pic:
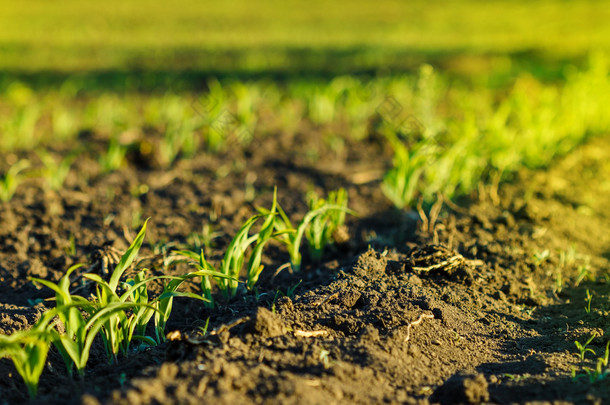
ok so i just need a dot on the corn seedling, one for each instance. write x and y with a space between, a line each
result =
160 307
205 270
291 290
234 258
227 276
75 343
541 257
118 330
11 180
322 228
292 237
588 299
80 330
583 349
264 235
55 172
203 239
164 303
400 184
28 350
600 372
584 272
114 158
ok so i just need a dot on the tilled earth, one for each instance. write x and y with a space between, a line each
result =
480 304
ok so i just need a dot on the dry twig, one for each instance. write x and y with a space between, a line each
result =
416 322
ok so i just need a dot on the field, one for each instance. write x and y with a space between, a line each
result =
258 202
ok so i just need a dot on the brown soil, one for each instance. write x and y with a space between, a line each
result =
482 304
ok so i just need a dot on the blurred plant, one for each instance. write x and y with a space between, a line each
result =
11 180
588 299
400 184
114 158
55 172
583 349
203 239
322 228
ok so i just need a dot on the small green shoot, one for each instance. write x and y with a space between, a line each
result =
118 330
322 228
291 290
55 172
264 235
11 180
292 237
600 372
583 349
588 299
203 239
400 183
114 158
204 328
28 350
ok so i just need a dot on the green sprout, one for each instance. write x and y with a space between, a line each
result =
583 349
28 350
75 343
329 214
400 184
601 368
118 330
322 228
205 270
11 180
114 158
55 172
227 275
588 299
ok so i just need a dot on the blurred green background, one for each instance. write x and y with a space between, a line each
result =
238 36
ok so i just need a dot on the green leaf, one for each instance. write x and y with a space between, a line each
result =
128 257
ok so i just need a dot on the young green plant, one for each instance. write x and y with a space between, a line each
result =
583 349
28 350
400 183
292 237
55 172
322 228
227 275
118 330
11 180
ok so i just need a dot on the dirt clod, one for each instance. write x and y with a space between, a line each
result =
462 389
267 324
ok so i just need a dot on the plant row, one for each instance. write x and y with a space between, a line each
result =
123 312
447 134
